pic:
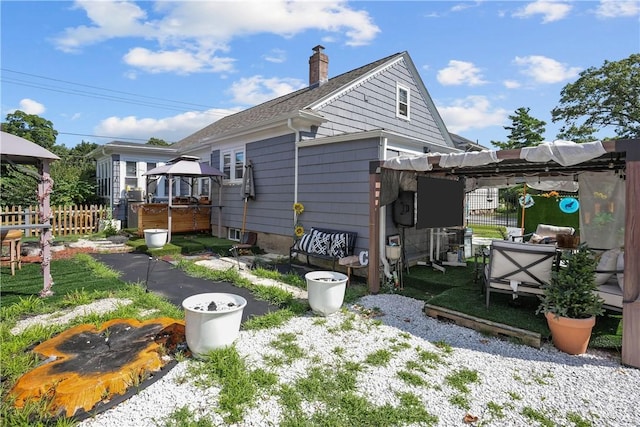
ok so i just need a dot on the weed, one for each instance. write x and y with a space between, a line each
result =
459 380
286 344
378 358
183 417
411 378
537 416
460 400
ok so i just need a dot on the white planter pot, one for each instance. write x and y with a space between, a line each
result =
155 237
325 290
208 328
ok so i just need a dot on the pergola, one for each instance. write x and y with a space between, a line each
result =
623 154
16 151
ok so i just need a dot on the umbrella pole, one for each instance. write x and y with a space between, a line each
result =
244 218
523 207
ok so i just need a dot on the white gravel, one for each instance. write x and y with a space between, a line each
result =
516 378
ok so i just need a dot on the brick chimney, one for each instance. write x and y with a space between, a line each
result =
318 67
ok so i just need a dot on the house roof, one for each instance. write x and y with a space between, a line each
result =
465 144
280 107
131 147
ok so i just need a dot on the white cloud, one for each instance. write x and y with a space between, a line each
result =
276 55
511 84
617 8
460 73
30 106
171 129
545 70
472 112
189 35
178 61
550 10
257 89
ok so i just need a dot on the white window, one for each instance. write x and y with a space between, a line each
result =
232 164
234 234
402 102
131 176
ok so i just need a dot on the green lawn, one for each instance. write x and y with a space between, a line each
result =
456 290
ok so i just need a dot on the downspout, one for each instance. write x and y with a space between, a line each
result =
295 167
383 223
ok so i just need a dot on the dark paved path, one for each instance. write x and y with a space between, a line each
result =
165 279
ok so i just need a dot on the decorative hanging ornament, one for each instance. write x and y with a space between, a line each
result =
569 205
526 201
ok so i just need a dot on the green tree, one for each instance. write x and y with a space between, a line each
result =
158 141
73 175
525 131
31 127
602 98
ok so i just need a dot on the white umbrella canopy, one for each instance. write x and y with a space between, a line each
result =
186 166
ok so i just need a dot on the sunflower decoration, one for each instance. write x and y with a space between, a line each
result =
298 208
298 230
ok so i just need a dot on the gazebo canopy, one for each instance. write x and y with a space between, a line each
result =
22 151
19 151
185 166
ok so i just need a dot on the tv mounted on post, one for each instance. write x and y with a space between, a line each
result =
440 203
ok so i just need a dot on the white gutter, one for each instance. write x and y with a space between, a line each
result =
295 167
383 222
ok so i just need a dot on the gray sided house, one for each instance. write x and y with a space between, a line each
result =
120 167
314 146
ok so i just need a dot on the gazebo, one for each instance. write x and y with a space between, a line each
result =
188 167
17 152
548 161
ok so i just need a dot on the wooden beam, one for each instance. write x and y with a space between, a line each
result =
631 293
374 227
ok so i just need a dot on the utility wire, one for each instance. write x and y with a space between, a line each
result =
96 95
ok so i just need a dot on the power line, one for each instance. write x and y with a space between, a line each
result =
106 97
115 138
105 89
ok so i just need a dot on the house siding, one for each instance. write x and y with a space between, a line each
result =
333 186
372 105
271 210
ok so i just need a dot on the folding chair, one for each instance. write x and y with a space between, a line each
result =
247 241
518 268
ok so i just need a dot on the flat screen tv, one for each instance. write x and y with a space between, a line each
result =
440 203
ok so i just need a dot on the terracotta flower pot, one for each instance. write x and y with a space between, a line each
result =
570 335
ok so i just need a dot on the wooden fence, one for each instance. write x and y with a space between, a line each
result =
65 220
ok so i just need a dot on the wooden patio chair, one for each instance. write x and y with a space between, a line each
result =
518 268
247 241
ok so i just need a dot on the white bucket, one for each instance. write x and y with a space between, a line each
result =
155 238
208 328
393 252
325 290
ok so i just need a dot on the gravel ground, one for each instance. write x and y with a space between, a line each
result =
516 385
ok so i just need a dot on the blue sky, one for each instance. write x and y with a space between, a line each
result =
125 70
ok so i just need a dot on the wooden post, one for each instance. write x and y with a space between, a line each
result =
631 294
45 186
374 227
